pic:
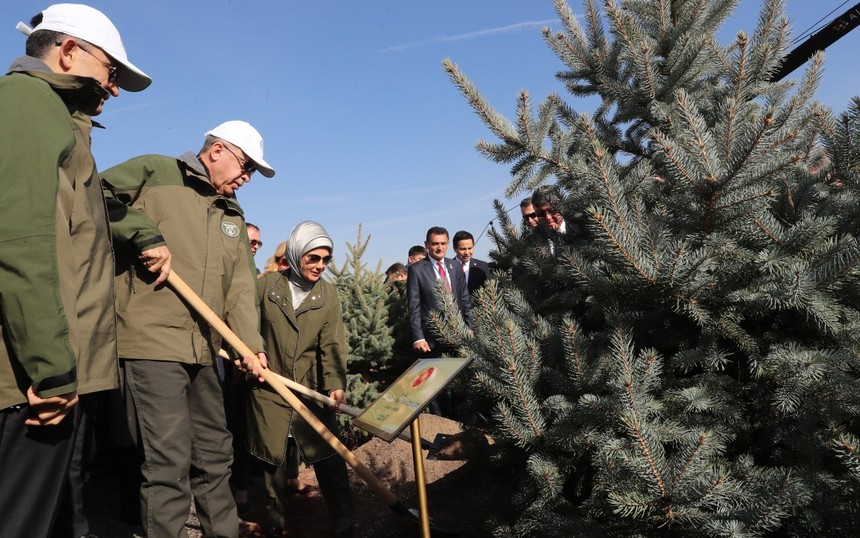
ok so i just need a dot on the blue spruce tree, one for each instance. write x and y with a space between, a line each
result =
363 297
687 366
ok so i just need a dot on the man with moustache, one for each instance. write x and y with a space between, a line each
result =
423 278
166 349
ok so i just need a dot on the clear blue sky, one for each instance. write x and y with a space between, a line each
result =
359 118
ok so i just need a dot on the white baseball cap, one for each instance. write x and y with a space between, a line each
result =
246 138
91 25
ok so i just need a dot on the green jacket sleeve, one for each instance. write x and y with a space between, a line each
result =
36 134
122 185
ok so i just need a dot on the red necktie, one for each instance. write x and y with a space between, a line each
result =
442 275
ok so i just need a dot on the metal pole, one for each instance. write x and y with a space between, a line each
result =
822 39
420 480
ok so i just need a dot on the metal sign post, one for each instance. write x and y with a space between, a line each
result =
420 480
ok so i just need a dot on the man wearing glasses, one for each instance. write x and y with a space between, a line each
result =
57 330
530 218
182 213
547 202
253 237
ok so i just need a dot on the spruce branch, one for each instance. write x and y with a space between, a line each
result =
636 45
632 421
700 136
599 217
747 149
743 199
515 429
495 121
770 516
672 152
840 263
596 33
769 38
770 234
846 448
573 341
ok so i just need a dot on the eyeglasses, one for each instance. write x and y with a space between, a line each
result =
314 259
255 243
530 216
112 69
247 166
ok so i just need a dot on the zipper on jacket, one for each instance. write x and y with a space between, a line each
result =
131 274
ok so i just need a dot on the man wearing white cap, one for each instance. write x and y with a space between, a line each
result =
57 324
182 213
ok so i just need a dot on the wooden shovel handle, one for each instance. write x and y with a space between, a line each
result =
325 400
310 393
271 378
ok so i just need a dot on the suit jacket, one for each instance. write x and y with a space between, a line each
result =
479 272
560 239
421 284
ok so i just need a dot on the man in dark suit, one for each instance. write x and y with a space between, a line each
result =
476 271
424 278
547 204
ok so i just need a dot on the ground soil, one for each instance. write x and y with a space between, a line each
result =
465 498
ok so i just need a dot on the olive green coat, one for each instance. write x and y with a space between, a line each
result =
171 201
57 322
307 345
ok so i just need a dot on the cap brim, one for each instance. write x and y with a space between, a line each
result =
129 77
264 168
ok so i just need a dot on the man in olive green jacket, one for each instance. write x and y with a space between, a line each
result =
57 325
167 350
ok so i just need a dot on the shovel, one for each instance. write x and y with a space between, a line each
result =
379 487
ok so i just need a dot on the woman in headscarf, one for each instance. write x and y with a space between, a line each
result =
302 326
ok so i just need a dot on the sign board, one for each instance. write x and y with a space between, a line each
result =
408 396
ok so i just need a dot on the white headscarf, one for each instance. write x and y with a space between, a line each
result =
306 236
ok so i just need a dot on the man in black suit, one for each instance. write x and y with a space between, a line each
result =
547 204
476 271
424 278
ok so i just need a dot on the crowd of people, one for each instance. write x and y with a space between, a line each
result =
92 330
416 286
86 310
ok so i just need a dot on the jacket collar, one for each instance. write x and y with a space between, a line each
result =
191 161
200 174
81 94
431 263
280 294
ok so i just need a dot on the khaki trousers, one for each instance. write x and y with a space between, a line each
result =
176 414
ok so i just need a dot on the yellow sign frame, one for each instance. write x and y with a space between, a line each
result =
410 393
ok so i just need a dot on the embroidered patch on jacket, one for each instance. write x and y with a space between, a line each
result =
229 229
